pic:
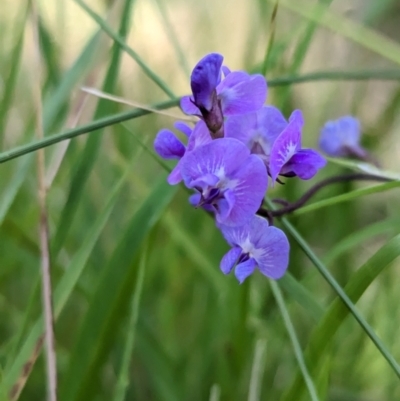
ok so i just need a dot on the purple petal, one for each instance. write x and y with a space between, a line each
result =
249 233
245 269
204 79
257 130
251 186
208 179
271 122
286 145
273 260
229 260
219 157
241 93
188 107
225 70
241 127
338 138
168 146
194 199
183 128
225 206
175 176
266 245
305 164
200 136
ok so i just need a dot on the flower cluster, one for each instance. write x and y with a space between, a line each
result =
235 148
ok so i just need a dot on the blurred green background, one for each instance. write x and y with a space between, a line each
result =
142 311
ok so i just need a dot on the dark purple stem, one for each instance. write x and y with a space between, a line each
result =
291 207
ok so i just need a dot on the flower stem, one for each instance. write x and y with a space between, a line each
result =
291 207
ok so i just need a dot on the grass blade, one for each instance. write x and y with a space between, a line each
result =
104 314
347 197
93 143
338 310
64 289
83 129
293 338
123 377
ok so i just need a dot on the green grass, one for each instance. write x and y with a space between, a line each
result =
142 311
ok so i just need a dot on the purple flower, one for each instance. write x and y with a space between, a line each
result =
341 138
229 180
255 244
287 158
168 146
214 97
257 130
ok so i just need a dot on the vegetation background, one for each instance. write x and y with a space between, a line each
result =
141 310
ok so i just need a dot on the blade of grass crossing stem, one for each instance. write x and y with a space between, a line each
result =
92 147
335 315
65 287
295 342
358 237
123 377
347 197
55 102
120 41
110 299
83 129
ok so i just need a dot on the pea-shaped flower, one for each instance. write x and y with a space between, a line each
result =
257 130
168 146
255 244
287 157
215 97
341 138
229 180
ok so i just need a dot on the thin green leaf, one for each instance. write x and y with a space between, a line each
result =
123 376
92 146
64 288
185 240
347 197
358 237
365 168
83 129
10 192
361 75
302 295
322 335
293 338
340 292
111 298
11 81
